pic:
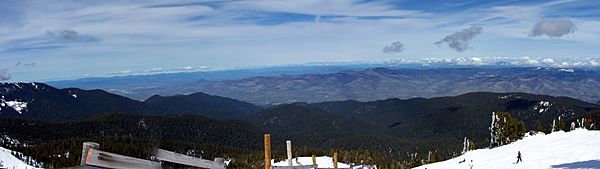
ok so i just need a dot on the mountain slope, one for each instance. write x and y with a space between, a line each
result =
201 104
43 102
452 118
575 149
38 101
398 126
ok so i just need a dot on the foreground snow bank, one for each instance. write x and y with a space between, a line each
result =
322 162
7 160
575 149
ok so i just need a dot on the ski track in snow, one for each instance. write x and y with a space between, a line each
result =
567 150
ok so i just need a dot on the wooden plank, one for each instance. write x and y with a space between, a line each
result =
267 151
110 160
173 157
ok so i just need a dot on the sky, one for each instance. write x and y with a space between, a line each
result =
43 40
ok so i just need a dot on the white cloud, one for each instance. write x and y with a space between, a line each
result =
548 61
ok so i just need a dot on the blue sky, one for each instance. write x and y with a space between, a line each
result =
46 39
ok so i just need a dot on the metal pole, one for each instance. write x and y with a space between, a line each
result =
267 151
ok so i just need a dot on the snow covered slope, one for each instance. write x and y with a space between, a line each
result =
567 150
7 160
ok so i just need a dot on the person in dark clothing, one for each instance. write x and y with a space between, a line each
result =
519 157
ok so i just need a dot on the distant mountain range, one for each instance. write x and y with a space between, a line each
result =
382 83
390 126
312 84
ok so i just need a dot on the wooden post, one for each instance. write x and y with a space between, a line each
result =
267 151
314 160
335 160
289 153
86 147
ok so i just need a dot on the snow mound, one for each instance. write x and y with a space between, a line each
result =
7 160
322 162
576 149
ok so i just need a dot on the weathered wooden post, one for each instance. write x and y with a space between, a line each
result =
314 160
86 147
289 153
267 151
335 160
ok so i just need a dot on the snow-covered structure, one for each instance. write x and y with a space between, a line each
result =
322 162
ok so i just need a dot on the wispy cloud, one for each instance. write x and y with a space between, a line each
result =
70 36
50 40
552 28
156 70
25 64
460 41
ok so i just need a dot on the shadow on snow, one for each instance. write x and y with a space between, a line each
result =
579 164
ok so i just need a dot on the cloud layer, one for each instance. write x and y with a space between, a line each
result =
552 28
394 47
4 75
93 38
460 41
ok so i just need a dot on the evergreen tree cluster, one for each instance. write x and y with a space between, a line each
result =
505 129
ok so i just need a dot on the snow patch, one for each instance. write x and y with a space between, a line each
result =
542 106
15 105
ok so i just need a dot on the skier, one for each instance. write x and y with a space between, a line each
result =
471 165
519 157
462 161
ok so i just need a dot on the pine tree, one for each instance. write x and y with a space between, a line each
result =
472 145
539 127
560 125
